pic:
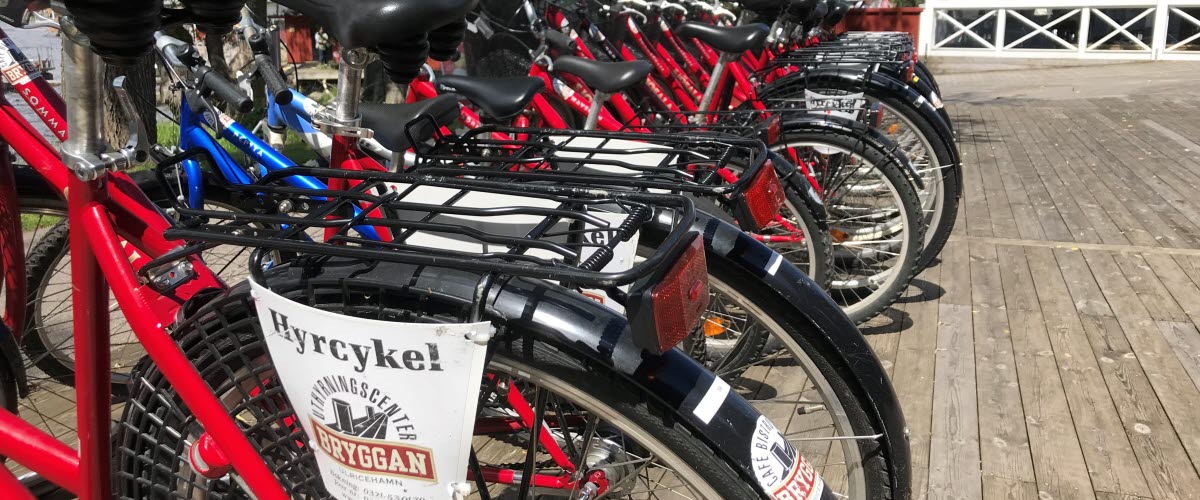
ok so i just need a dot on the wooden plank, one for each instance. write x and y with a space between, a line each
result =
1161 455
1084 290
986 288
1158 194
985 159
1167 376
1154 296
1026 161
1001 488
956 274
913 379
1055 449
1139 200
1003 441
1177 282
1066 200
978 221
1185 341
1112 221
1009 154
1019 291
954 468
1110 459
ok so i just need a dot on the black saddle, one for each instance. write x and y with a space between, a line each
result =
837 12
389 121
734 39
371 23
607 77
497 97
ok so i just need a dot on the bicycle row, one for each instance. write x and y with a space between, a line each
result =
653 248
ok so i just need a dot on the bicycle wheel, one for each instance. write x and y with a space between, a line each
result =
646 449
779 361
873 216
917 138
934 162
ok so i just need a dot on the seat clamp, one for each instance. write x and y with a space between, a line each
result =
325 121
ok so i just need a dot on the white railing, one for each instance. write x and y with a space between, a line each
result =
1085 29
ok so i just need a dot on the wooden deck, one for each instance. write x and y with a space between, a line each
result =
1054 352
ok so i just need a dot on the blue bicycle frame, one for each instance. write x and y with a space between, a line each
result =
192 134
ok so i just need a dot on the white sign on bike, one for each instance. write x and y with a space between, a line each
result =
843 106
389 407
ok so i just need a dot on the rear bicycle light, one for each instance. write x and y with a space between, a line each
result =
757 206
669 306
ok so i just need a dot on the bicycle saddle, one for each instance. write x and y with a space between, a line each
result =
389 121
736 39
371 23
607 77
497 97
837 12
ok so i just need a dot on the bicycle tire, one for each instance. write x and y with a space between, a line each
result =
940 224
802 337
948 193
151 453
889 167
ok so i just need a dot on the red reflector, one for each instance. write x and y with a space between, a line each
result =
764 196
774 129
681 297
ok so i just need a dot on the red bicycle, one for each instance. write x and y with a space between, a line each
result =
207 411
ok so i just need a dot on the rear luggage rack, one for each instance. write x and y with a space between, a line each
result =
561 231
687 162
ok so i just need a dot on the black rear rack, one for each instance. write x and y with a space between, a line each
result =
689 162
562 231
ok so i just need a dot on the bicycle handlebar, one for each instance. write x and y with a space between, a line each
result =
211 80
277 88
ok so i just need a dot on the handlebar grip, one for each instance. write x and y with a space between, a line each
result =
225 89
559 41
277 88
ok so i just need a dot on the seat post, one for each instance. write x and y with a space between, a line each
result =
714 81
349 91
83 83
593 117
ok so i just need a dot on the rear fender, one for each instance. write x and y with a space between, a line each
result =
731 246
873 82
562 318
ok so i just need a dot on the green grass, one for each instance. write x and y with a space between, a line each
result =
29 222
293 147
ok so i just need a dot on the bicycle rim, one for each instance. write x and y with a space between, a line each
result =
897 128
869 223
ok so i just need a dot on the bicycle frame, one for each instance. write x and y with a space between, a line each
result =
115 230
192 134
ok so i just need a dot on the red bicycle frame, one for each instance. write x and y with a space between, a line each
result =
115 230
